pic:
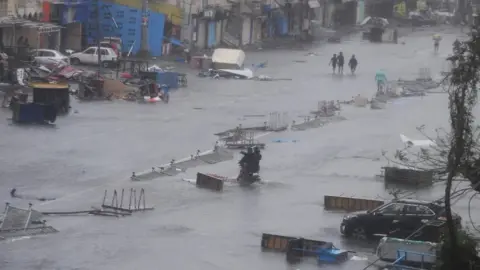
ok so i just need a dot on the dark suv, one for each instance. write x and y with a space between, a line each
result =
398 218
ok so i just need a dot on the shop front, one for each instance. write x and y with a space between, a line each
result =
209 28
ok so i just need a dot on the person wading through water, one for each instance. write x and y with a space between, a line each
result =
247 163
341 61
258 157
353 64
333 62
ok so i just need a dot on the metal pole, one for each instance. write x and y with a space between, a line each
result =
144 51
190 27
99 56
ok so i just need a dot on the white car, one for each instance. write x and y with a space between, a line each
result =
46 57
90 56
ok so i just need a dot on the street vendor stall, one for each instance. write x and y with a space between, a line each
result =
49 100
56 94
376 27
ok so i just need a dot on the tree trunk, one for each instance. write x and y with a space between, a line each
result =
448 214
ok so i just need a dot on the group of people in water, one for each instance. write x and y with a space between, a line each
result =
251 160
339 60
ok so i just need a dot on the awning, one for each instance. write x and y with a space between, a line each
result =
313 4
174 41
41 27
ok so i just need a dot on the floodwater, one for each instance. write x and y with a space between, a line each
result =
99 146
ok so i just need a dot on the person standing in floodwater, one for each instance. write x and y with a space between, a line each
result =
381 80
333 62
340 62
353 64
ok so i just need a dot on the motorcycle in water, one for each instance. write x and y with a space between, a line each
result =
247 178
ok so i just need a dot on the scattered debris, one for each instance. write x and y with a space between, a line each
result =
17 222
254 115
218 154
377 104
116 208
135 204
394 253
407 176
350 204
284 141
326 109
360 101
316 122
247 140
269 79
409 142
277 122
298 248
14 194
210 181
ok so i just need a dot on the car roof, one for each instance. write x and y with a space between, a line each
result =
413 201
107 48
45 50
112 51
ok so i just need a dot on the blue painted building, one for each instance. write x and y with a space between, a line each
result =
124 22
70 14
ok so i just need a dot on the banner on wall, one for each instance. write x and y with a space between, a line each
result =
400 9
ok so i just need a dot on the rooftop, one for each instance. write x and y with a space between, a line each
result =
42 27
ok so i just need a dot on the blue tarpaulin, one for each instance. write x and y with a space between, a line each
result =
175 41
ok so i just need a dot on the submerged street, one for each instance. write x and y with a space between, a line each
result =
100 144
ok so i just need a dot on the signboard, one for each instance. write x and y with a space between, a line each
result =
210 14
400 9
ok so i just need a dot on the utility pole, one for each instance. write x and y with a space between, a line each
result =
144 51
461 10
99 55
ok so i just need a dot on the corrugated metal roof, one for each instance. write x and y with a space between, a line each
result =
41 26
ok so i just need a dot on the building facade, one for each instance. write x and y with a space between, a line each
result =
22 25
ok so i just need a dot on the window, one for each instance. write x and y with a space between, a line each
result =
47 54
104 51
391 209
419 210
89 51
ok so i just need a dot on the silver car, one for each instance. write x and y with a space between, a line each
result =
47 57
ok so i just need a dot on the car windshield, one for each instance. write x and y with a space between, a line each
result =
391 208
